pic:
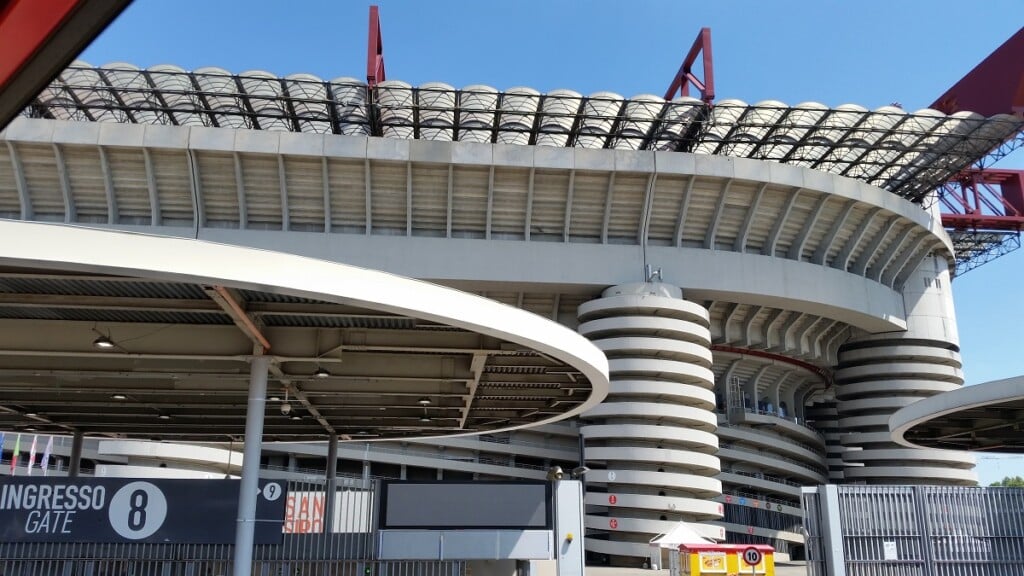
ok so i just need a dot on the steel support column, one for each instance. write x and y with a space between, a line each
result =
75 465
246 522
331 486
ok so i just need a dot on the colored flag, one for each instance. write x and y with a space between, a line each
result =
14 458
1 445
45 464
32 454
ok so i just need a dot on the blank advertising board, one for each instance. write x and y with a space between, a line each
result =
131 510
466 505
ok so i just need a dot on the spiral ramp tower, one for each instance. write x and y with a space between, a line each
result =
878 375
824 416
652 443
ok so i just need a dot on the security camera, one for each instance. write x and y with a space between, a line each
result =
286 409
579 471
555 473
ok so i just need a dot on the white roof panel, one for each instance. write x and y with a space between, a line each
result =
906 153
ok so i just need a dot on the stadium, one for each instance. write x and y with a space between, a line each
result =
768 282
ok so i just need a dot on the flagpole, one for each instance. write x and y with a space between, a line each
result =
14 457
45 464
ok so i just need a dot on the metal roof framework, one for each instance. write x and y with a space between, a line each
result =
178 366
909 154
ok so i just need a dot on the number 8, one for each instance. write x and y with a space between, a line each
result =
137 513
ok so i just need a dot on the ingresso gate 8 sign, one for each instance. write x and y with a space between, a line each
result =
128 510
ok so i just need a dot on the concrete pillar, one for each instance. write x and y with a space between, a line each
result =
880 373
662 390
75 465
248 492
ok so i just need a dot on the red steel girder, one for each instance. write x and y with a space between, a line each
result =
984 200
685 76
38 38
824 374
995 86
374 51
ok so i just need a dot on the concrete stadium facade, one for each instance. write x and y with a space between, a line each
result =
761 320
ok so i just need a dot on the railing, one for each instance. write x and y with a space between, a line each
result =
773 500
819 471
452 458
808 447
761 476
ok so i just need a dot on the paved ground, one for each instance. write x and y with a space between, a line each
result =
788 569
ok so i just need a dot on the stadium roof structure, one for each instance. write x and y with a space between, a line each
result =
907 153
137 346
983 417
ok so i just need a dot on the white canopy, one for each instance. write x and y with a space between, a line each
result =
683 533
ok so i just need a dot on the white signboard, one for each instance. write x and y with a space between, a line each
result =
889 550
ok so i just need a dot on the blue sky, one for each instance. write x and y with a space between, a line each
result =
867 52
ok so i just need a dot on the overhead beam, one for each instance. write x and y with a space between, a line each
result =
476 367
39 39
995 86
227 302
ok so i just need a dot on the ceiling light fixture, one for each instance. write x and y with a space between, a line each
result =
424 418
118 397
103 343
164 417
424 401
321 372
274 398
296 417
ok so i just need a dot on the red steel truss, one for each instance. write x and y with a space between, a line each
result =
374 51
685 76
983 208
984 200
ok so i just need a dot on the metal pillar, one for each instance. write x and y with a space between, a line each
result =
568 516
246 523
331 488
832 530
75 463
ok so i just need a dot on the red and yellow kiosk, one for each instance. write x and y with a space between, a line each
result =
727 559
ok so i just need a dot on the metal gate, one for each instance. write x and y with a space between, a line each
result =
914 531
321 538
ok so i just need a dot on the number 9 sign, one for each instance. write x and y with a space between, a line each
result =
137 510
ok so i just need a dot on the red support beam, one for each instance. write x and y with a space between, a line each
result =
38 38
686 76
984 200
374 51
825 375
996 86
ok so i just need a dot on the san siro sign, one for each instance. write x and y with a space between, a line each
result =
133 510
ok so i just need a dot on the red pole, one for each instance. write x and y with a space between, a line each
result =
374 50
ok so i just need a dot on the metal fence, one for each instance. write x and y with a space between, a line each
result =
914 531
322 537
